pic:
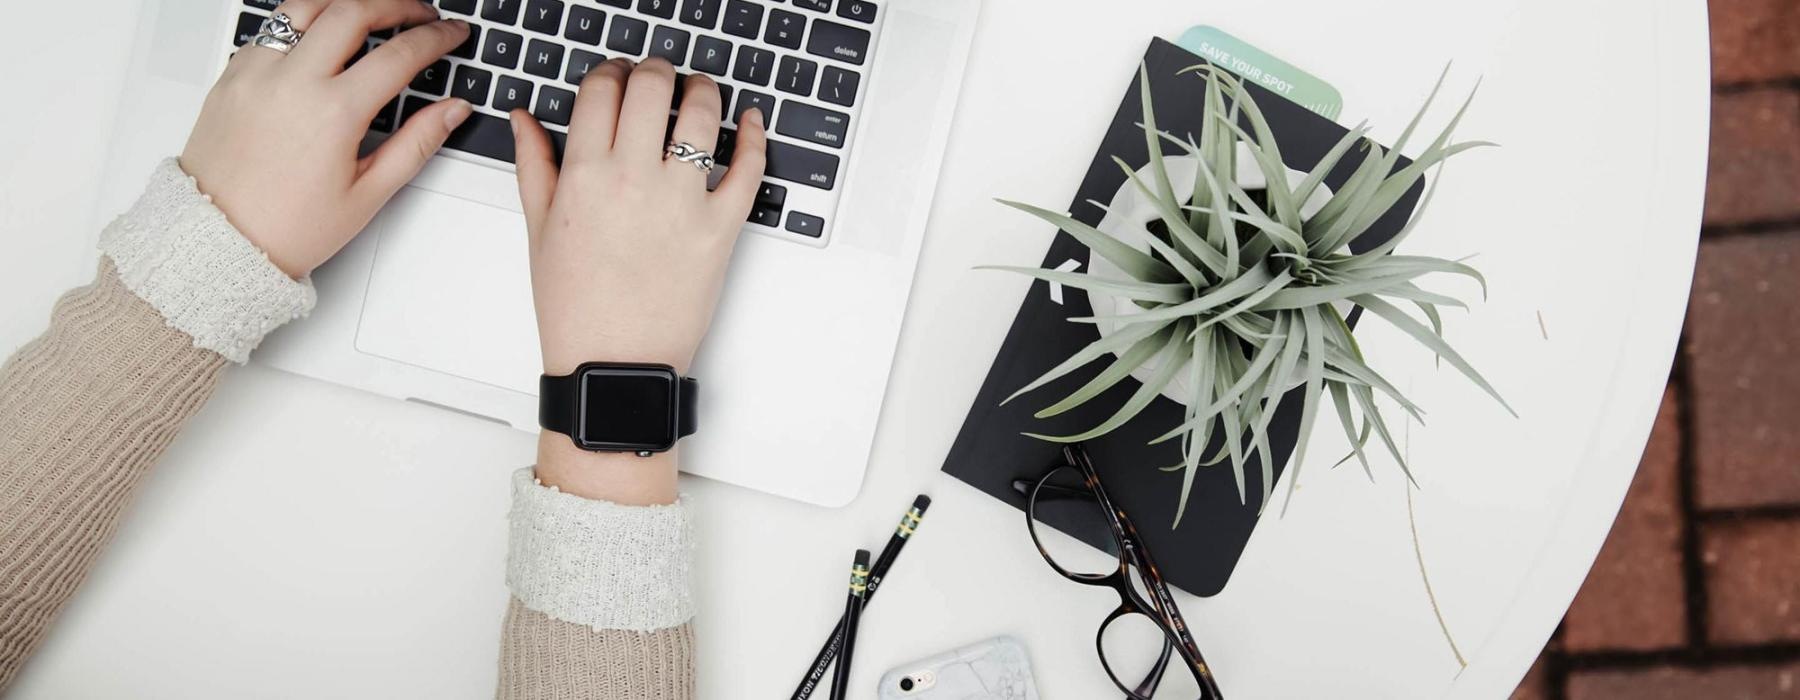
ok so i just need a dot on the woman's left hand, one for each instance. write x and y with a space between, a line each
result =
277 142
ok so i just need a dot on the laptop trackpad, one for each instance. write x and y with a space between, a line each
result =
450 290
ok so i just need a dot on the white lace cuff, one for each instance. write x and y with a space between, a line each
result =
600 564
176 251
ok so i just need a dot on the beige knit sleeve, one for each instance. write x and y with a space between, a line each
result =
545 658
85 409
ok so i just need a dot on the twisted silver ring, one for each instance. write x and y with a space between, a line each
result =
278 33
687 153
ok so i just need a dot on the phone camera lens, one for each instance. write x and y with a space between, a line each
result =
906 684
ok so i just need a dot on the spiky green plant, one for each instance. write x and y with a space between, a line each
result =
1246 298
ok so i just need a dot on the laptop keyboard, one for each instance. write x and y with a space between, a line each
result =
800 61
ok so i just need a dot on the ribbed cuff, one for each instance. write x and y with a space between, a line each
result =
175 250
600 564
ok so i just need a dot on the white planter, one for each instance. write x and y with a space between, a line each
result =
1131 211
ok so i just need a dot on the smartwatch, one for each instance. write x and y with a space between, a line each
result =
619 407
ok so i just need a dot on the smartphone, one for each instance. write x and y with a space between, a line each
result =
997 669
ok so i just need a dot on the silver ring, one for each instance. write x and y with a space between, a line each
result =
686 153
278 33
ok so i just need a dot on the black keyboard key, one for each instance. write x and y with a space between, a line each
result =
471 84
265 5
806 224
815 124
727 146
482 135
796 76
754 65
502 11
554 105
858 10
627 35
544 59
617 3
743 19
751 98
580 63
469 46
803 165
512 93
766 215
388 118
839 86
434 80
820 5
772 195
503 49
711 55
586 25
700 13
670 44
833 40
785 29
466 7
247 27
664 9
544 16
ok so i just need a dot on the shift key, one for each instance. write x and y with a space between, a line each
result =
803 165
820 126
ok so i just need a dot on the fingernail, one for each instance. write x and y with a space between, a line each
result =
756 117
458 112
515 128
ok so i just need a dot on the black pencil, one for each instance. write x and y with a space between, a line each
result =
853 607
909 523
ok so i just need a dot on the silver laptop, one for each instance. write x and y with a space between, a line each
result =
433 303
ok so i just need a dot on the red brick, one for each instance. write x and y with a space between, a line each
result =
1778 682
1744 362
1755 40
1634 598
1754 174
1536 685
1752 581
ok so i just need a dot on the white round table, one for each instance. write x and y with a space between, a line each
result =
306 540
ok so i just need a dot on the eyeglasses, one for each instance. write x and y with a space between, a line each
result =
1070 497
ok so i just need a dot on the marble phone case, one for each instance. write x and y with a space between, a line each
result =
997 669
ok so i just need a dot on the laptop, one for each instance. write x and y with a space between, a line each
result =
432 304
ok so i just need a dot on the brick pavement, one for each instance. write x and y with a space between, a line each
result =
1696 594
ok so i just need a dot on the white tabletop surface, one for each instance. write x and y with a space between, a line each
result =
306 540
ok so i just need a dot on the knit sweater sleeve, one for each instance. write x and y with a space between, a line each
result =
600 606
88 407
601 602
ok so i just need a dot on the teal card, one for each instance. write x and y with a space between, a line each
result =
1257 66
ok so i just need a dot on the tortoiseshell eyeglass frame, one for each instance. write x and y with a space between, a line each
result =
1160 609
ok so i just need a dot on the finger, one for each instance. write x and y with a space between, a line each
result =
644 115
701 109
382 74
344 27
596 117
737 191
537 170
300 13
401 157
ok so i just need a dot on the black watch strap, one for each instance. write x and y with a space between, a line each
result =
559 403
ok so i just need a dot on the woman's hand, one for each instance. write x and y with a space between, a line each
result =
628 250
276 145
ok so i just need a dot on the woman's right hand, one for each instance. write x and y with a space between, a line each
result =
629 249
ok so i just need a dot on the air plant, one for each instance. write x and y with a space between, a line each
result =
1249 297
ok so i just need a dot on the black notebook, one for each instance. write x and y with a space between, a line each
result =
991 453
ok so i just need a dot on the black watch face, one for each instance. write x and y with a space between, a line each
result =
628 409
